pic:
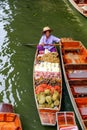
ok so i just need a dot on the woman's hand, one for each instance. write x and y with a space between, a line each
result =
42 44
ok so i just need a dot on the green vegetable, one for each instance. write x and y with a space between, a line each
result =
41 99
42 106
56 103
47 105
38 97
47 92
52 105
55 95
48 99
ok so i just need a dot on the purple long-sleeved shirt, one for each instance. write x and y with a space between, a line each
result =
50 40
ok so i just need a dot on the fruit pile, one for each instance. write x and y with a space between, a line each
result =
48 96
47 77
49 57
47 67
51 81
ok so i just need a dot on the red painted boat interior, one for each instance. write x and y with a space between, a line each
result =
75 61
81 1
66 121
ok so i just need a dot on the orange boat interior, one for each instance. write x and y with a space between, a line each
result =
9 121
74 53
48 116
66 120
82 106
75 62
75 59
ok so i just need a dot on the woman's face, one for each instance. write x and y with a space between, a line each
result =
47 33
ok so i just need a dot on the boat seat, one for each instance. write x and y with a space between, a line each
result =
77 75
71 49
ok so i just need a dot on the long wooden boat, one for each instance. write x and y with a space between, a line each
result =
8 119
66 121
74 63
47 81
80 5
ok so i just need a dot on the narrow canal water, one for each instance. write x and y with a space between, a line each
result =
21 22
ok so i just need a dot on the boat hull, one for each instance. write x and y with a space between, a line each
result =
80 7
75 82
8 119
47 115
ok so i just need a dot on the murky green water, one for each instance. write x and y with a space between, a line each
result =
21 22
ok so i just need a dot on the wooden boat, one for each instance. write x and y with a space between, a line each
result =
8 119
80 5
47 81
66 121
74 63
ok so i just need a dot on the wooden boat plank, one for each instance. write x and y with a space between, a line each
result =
79 91
78 87
76 66
78 82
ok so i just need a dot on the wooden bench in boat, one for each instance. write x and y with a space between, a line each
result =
70 49
78 82
78 87
76 66
76 71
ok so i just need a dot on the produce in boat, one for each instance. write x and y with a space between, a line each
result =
47 86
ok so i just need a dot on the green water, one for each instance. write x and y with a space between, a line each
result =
21 22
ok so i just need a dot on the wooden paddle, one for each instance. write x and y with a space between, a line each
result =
56 44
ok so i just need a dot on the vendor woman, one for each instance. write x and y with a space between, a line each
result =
46 39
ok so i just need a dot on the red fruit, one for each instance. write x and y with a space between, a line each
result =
58 88
52 90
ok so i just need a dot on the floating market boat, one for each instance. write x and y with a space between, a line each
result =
66 121
8 119
74 64
47 81
80 5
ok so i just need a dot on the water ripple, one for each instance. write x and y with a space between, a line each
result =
8 76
